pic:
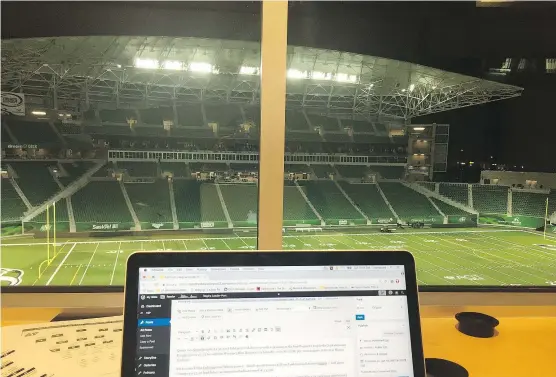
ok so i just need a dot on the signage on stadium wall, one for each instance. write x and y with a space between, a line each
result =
13 103
385 221
342 222
521 221
105 226
207 224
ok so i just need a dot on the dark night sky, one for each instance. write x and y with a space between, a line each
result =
456 36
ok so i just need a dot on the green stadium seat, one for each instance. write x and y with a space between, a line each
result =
253 114
191 116
324 122
295 120
358 125
369 139
156 131
490 199
295 205
241 201
352 171
529 203
157 115
117 116
431 186
12 207
104 171
75 170
336 137
139 169
303 136
456 192
35 180
187 195
448 209
245 168
228 115
329 201
122 130
206 167
297 168
322 171
5 136
151 201
211 208
381 128
368 199
61 213
389 172
179 169
27 132
193 133
407 202
100 201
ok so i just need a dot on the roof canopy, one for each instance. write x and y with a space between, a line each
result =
151 71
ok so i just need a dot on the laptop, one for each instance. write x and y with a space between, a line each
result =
272 314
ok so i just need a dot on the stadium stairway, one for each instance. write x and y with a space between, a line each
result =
433 194
388 202
68 191
130 206
304 195
367 197
352 203
407 202
173 204
224 207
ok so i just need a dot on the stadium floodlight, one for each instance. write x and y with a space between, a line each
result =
38 112
146 63
247 70
296 74
201 67
411 87
318 75
344 77
418 128
173 65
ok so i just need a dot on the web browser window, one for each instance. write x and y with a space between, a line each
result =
273 321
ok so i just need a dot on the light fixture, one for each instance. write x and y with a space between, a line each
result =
418 128
201 67
344 77
173 65
317 75
296 74
247 70
146 63
38 112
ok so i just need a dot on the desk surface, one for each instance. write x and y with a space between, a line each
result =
524 345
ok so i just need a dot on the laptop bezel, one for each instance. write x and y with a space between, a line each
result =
268 258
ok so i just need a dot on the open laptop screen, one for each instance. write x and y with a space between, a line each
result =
273 321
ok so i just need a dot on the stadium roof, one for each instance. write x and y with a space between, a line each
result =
150 71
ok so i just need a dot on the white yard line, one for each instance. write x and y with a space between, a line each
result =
184 245
60 265
228 246
115 263
88 264
163 245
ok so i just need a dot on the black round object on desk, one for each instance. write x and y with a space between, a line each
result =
444 368
478 325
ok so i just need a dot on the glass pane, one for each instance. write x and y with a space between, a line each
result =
128 153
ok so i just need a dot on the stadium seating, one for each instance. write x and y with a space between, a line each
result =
352 171
156 131
211 208
35 180
253 114
27 132
295 120
448 209
12 206
297 168
139 169
303 136
295 206
369 139
5 136
190 116
245 168
187 195
389 172
100 201
104 171
324 122
380 128
241 201
368 199
456 192
122 130
329 201
206 167
490 199
228 116
431 186
117 116
179 169
156 115
407 202
61 213
336 137
151 201
322 171
358 125
192 133
528 203
75 170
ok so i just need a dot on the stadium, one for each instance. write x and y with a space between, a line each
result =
116 144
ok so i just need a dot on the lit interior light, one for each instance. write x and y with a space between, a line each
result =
146 63
418 128
317 75
173 65
296 74
201 67
246 70
38 112
411 87
344 77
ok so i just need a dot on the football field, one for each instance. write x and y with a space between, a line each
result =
458 257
